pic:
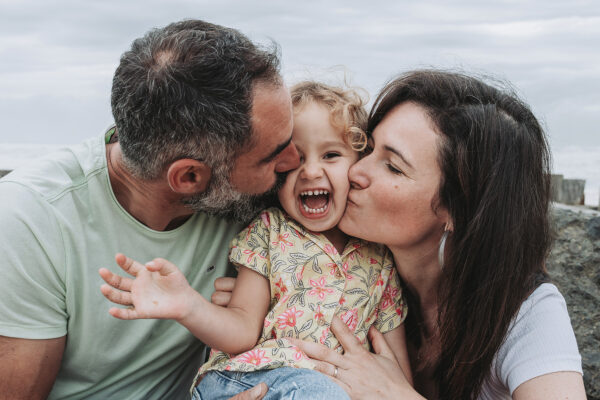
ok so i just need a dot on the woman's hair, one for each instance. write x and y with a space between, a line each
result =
495 184
346 107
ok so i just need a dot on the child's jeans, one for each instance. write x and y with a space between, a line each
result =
284 383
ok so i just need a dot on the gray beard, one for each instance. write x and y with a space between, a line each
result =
221 199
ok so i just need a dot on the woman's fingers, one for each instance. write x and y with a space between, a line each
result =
318 352
116 281
345 336
116 296
379 343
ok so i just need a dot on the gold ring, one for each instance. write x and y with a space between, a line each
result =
335 371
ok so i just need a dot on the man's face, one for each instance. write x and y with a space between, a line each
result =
272 152
240 192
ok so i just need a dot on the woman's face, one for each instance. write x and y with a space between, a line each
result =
393 187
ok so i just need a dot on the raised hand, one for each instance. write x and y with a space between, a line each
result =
157 290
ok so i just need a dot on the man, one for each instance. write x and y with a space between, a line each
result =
203 129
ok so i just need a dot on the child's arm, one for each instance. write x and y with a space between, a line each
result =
160 290
396 339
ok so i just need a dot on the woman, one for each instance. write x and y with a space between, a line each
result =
457 186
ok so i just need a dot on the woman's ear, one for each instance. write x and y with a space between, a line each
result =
188 176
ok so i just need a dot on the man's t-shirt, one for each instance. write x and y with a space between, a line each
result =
59 223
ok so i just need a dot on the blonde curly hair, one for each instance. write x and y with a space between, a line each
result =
346 107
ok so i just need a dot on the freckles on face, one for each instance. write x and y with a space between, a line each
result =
393 187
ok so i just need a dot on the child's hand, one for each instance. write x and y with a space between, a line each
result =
158 290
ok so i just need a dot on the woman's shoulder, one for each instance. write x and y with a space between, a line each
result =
539 341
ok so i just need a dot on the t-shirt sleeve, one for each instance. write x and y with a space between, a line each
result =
250 248
32 254
541 340
391 310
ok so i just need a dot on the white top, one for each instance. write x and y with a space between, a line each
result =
540 342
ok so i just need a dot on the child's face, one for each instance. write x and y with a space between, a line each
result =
315 193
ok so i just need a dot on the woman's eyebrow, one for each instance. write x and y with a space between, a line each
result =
399 154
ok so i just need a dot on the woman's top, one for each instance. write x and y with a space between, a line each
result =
311 282
540 341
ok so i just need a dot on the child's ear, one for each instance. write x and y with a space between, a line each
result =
188 176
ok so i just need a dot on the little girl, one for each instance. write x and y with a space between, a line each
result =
296 270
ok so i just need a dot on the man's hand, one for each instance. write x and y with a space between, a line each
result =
223 289
158 290
256 393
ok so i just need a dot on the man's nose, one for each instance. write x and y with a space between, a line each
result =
288 159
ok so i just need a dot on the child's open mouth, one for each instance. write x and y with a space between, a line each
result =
314 202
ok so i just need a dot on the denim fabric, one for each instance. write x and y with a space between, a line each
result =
284 383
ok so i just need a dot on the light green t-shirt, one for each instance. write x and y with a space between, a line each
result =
60 223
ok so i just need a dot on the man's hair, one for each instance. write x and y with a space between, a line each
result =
495 166
185 91
345 105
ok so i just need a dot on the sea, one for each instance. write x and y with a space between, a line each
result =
573 162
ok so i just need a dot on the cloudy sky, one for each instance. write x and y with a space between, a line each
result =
58 57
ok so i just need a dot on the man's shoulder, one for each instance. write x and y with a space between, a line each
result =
55 173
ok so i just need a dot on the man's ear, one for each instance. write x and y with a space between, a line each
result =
188 176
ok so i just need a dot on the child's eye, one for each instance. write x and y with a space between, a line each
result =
330 155
394 170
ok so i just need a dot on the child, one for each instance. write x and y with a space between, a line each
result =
296 270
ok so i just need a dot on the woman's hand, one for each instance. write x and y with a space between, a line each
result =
362 374
158 290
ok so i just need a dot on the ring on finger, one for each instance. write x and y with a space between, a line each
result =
335 371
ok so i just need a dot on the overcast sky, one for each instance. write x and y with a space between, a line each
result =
58 57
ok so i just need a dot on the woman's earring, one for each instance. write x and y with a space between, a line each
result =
443 246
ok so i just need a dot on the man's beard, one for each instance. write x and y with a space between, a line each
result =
221 199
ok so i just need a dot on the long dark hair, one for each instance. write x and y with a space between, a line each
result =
494 159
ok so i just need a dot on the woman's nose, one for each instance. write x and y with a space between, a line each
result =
357 175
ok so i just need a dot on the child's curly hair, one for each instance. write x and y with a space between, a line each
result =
346 107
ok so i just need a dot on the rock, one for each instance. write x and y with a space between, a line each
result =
574 266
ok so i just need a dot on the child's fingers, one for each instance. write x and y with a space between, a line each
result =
116 296
124 313
128 265
115 280
162 266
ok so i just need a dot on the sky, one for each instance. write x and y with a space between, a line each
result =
58 57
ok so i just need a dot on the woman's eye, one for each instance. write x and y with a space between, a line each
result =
331 155
394 170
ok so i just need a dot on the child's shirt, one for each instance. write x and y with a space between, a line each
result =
310 283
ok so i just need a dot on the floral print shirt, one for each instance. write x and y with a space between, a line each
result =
310 283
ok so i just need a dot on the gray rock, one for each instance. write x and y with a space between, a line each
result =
574 266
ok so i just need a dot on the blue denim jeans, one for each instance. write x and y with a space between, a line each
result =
284 383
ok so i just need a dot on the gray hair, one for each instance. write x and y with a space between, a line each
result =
185 91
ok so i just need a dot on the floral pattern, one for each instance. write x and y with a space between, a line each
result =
311 282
